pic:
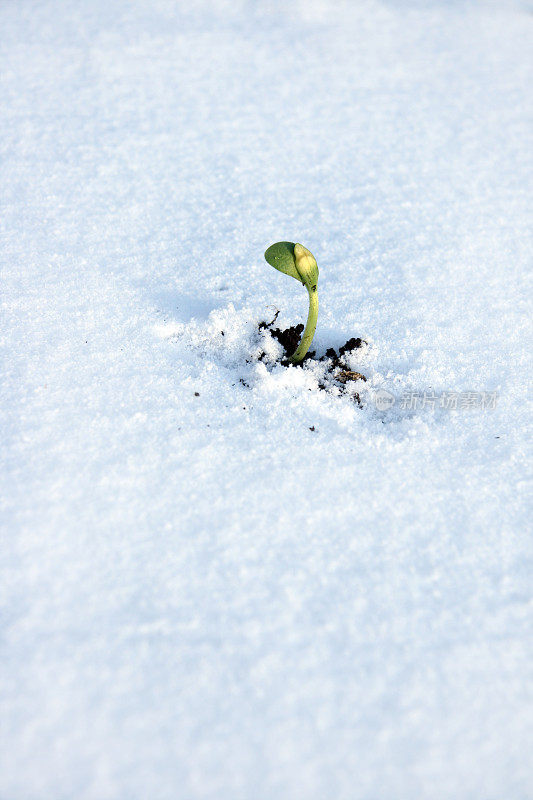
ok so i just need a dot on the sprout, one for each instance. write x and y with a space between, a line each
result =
296 260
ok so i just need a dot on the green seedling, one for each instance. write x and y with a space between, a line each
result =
296 260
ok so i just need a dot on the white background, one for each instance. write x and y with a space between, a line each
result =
203 599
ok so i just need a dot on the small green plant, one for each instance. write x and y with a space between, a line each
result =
298 262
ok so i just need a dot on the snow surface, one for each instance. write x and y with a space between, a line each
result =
201 597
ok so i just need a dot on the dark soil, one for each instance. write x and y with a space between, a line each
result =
289 339
336 370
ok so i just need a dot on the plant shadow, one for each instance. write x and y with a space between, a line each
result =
185 307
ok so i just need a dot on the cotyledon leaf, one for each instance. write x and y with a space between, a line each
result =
281 257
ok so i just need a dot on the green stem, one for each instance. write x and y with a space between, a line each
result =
310 328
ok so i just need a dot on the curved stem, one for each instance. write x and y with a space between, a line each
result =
310 328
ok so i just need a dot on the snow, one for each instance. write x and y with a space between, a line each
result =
201 597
